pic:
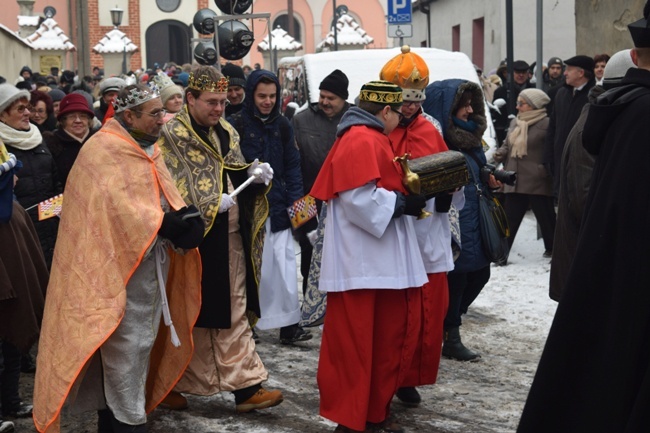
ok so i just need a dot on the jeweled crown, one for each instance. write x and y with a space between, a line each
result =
204 83
136 97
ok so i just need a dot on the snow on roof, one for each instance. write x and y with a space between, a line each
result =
348 32
113 42
49 36
14 35
281 41
31 20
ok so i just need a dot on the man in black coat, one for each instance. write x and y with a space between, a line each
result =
520 82
594 373
567 105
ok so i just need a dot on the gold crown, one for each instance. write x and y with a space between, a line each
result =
205 84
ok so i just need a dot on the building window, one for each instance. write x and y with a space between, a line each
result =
283 21
455 38
478 41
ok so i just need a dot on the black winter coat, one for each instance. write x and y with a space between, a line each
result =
64 149
38 181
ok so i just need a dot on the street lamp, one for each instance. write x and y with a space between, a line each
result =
116 17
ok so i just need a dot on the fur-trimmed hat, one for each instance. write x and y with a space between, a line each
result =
410 72
10 94
536 98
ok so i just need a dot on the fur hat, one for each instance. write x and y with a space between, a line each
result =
10 94
410 72
74 103
617 67
382 92
536 98
235 74
336 82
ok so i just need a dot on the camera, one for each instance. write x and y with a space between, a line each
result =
504 176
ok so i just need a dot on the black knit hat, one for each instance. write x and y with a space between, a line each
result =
235 74
640 30
337 83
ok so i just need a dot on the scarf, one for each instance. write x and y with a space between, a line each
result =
518 137
470 125
23 140
80 140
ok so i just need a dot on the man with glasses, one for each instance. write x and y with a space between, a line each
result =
268 136
416 135
126 260
315 131
371 268
202 152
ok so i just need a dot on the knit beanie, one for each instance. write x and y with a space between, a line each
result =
56 94
617 67
536 98
10 94
166 87
235 74
337 83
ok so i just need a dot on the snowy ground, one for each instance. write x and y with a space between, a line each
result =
507 324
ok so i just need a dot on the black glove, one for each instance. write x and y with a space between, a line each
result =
414 204
443 202
184 227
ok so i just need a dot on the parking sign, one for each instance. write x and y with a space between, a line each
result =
399 11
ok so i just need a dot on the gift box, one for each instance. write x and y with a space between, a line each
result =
443 171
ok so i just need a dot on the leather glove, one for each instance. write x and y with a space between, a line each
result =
261 170
414 204
184 228
226 203
443 202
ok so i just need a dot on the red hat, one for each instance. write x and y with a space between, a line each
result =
74 102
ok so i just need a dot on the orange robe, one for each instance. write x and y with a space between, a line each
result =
111 216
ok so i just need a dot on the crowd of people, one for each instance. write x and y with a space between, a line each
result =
174 243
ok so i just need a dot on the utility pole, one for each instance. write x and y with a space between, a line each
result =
290 28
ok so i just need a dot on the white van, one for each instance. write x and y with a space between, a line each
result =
301 76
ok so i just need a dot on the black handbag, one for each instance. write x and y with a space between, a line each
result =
493 223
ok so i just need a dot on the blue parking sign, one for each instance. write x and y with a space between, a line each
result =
399 11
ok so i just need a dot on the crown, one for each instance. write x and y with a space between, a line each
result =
205 84
162 80
136 97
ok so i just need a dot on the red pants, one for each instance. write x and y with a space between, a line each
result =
426 361
369 339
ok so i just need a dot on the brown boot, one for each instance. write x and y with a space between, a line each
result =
262 399
174 401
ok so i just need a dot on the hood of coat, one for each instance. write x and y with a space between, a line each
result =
442 101
609 105
356 116
249 101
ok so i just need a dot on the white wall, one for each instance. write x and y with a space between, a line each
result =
558 26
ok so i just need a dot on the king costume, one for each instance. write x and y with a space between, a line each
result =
206 163
95 348
372 272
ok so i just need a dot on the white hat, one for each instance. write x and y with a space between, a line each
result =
617 66
10 94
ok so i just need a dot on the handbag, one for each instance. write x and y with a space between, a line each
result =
493 223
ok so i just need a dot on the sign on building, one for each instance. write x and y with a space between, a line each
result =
399 11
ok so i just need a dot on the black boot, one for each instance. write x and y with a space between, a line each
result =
454 348
104 421
409 396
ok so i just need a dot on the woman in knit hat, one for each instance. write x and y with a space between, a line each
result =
75 128
37 179
523 152
171 95
24 276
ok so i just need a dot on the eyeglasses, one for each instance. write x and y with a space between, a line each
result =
411 103
520 103
401 116
214 104
159 114
21 108
33 110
